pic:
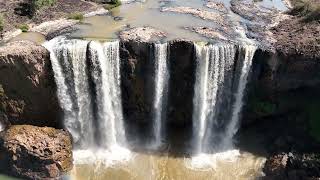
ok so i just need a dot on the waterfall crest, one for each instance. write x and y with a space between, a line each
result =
218 93
161 92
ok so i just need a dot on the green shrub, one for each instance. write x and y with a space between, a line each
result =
112 4
38 4
1 23
307 9
313 15
76 16
24 27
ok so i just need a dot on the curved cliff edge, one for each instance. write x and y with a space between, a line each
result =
281 114
275 113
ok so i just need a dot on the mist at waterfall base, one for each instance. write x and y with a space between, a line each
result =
87 74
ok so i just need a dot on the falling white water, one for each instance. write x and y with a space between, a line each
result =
216 106
212 62
1 126
106 76
68 59
161 85
232 128
200 104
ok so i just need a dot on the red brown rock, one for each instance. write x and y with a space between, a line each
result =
37 152
28 91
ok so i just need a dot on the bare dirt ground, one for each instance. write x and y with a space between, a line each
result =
13 17
297 37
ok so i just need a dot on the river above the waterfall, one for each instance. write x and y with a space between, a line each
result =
176 23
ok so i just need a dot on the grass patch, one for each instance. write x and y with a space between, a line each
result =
24 27
1 23
76 16
314 120
309 10
112 4
38 4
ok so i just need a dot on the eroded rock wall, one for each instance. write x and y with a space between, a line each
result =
283 98
182 67
27 87
138 80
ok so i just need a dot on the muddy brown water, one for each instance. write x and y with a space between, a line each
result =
148 14
151 167
30 36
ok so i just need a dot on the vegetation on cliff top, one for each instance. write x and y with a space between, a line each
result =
112 4
30 8
1 25
76 16
38 4
309 10
24 27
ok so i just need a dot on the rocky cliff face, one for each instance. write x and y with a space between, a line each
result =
281 114
27 87
138 68
182 67
137 84
283 87
282 96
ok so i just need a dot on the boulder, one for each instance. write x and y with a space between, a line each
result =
292 166
142 34
37 152
27 86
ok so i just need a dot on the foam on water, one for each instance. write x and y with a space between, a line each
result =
114 155
207 162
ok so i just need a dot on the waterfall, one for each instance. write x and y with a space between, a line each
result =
90 96
106 76
161 91
68 59
232 128
218 93
1 126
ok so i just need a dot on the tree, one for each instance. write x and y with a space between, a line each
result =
1 26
